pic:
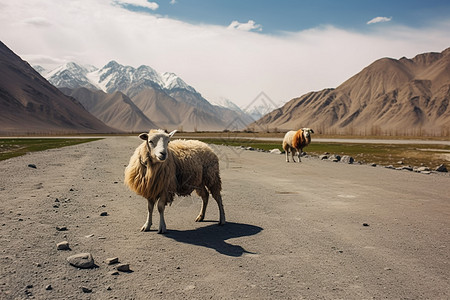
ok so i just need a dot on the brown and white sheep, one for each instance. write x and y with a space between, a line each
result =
158 170
295 141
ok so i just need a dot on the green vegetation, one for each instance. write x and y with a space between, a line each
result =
380 154
20 146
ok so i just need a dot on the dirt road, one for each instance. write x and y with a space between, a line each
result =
315 230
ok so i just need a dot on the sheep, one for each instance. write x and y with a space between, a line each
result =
158 170
295 141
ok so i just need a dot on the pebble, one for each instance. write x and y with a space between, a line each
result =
103 214
81 260
111 261
275 151
32 166
61 228
86 289
366 224
123 268
63 246
49 287
115 273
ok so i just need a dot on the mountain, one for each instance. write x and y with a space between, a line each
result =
179 104
29 104
395 97
115 110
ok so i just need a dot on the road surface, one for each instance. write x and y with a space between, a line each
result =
310 230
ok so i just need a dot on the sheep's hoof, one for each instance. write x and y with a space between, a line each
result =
145 227
162 231
199 218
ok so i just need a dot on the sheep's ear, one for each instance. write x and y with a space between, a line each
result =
172 133
143 136
312 131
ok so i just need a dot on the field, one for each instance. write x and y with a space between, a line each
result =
20 146
430 155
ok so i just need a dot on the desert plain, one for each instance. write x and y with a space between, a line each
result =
309 230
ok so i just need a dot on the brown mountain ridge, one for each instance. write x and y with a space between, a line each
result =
29 104
389 97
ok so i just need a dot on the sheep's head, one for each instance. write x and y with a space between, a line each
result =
307 132
157 142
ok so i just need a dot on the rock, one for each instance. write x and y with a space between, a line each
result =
390 167
373 164
323 157
366 224
123 268
103 214
441 168
250 148
347 159
49 287
407 168
61 228
400 162
422 169
32 166
86 289
334 158
275 151
63 246
110 261
82 260
115 273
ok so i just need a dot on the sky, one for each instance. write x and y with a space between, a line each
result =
228 49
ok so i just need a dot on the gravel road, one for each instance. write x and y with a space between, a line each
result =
310 230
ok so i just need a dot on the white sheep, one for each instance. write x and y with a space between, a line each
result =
295 141
158 170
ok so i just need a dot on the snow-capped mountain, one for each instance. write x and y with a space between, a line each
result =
171 82
113 77
144 86
227 103
70 75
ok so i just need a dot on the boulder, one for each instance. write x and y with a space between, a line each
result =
441 168
81 260
347 159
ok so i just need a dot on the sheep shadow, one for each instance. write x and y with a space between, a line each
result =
214 237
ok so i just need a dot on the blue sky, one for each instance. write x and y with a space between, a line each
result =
228 49
290 15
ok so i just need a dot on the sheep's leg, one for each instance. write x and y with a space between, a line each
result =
161 206
299 154
216 195
150 205
205 195
293 150
287 154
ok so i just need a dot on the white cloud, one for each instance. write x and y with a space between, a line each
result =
218 62
141 3
249 26
173 1
379 20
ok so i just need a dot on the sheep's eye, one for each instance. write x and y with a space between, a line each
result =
151 143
